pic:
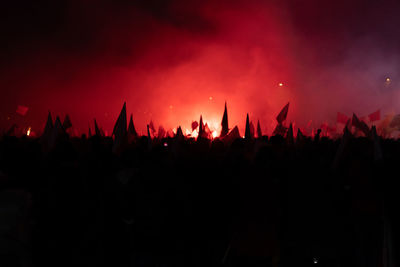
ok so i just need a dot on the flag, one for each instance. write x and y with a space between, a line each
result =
224 123
131 128
341 118
120 125
96 129
259 132
360 125
300 136
67 122
161 132
280 130
231 136
179 134
375 116
195 124
22 110
120 131
151 127
201 127
283 114
247 133
49 126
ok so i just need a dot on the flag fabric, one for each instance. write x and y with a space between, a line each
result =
300 136
259 132
375 116
120 131
161 132
151 127
224 123
49 126
283 114
360 125
201 127
280 130
131 128
195 124
96 129
252 130
247 133
207 131
67 122
179 134
231 136
341 118
22 110
120 125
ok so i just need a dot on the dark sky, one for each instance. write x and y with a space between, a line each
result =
167 58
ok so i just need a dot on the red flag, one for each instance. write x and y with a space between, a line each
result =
259 132
283 114
231 136
21 110
376 116
151 126
161 132
341 118
360 125
224 123
67 122
195 124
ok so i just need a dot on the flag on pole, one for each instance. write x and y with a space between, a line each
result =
375 116
67 122
224 123
120 131
49 126
195 124
131 128
359 124
259 132
283 114
247 133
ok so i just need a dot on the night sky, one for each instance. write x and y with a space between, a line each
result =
174 60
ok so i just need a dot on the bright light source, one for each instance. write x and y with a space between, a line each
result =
387 79
280 84
165 144
214 134
28 132
315 260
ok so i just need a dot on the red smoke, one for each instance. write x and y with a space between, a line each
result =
174 62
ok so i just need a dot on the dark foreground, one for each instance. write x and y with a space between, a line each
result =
185 203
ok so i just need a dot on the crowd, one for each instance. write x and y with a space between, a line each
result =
176 201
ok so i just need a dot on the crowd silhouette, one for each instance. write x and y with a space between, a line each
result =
130 200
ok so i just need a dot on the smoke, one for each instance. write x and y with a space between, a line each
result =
173 61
